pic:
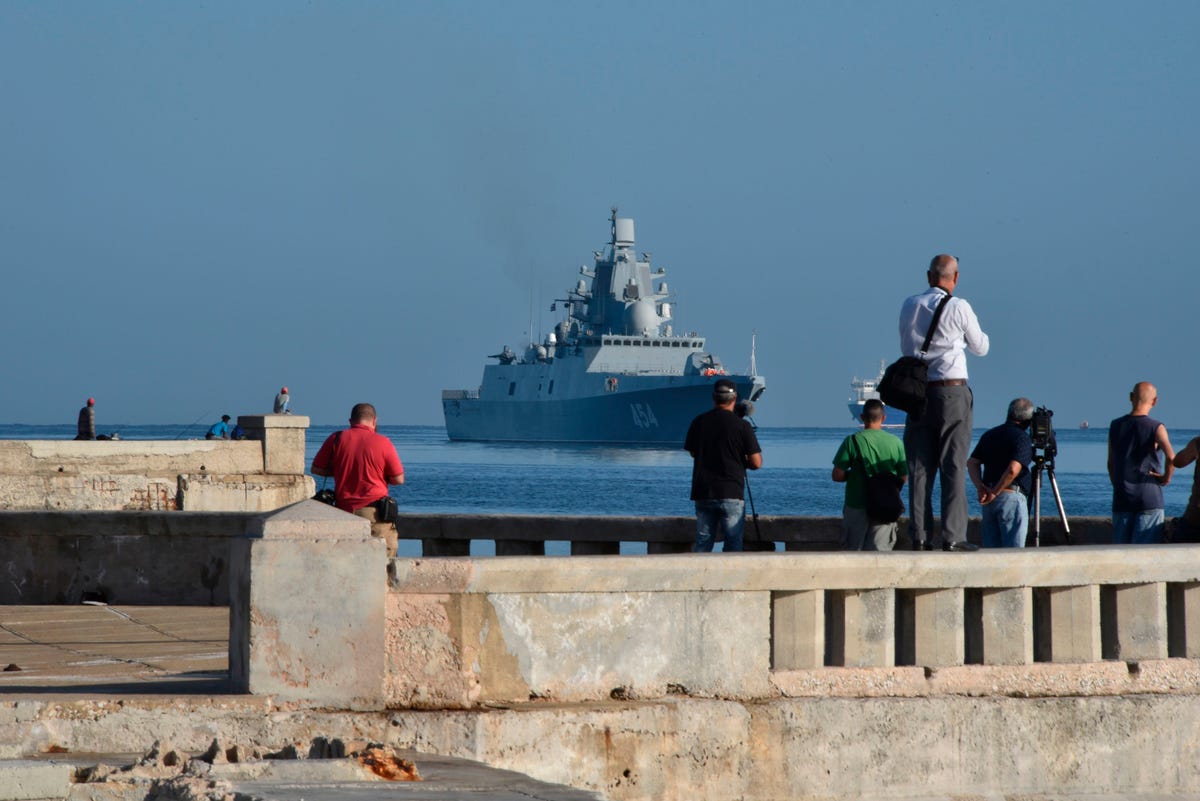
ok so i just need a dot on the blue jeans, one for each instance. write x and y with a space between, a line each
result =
714 517
1005 521
1138 528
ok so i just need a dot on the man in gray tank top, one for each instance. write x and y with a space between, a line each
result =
1140 463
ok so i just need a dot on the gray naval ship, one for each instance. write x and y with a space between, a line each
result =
612 371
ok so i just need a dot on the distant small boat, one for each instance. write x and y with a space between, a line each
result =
865 389
1084 425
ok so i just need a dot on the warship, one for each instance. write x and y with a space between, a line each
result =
865 389
613 370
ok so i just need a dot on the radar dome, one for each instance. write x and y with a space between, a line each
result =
640 317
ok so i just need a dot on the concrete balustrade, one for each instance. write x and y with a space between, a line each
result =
582 628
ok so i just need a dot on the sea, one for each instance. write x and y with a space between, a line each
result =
489 478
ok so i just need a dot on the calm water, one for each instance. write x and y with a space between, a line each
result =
444 476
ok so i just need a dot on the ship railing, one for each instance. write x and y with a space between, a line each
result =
460 394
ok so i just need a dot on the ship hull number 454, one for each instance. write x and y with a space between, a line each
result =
643 415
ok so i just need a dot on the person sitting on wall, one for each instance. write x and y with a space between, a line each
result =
281 402
86 427
219 430
362 463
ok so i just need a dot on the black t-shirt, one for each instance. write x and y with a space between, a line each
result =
1000 446
719 442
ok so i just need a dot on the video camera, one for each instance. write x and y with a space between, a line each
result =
1041 430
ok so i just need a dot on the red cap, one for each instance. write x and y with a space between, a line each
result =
284 390
91 401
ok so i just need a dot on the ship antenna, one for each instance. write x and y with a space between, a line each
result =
753 347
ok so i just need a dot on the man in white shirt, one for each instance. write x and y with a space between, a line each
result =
939 440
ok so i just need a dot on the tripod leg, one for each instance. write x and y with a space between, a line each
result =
1062 514
1037 506
753 511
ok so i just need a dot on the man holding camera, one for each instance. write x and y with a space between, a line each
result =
1134 444
723 446
872 451
1004 454
363 463
937 441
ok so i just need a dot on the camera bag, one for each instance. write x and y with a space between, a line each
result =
904 381
387 510
325 495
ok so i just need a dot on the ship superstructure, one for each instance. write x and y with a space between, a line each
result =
865 389
612 370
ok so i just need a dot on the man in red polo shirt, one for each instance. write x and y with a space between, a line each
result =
362 464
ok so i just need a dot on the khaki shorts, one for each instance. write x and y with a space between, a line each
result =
385 531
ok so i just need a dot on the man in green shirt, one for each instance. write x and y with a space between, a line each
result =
869 452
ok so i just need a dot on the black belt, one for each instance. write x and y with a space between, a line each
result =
948 382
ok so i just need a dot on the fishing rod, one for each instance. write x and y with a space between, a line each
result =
193 424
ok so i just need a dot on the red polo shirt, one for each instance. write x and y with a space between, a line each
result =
361 461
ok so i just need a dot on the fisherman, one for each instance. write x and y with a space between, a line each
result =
86 428
219 430
281 401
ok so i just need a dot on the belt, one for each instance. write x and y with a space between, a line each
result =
948 382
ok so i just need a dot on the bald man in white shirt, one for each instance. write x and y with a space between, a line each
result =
939 440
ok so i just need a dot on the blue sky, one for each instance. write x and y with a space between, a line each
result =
201 203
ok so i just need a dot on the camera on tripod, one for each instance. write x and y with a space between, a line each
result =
1041 433
1041 430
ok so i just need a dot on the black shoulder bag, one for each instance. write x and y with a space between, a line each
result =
904 381
882 491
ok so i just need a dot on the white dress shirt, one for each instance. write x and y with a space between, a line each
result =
958 330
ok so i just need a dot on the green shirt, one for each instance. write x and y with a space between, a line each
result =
880 452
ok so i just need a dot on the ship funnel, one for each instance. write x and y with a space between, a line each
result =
624 232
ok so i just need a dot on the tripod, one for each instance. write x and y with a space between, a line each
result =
744 409
1044 462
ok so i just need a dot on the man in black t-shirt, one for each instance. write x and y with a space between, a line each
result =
1004 453
723 447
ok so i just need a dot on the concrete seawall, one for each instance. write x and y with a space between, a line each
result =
788 675
263 472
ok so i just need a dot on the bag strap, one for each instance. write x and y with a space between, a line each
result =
857 455
937 316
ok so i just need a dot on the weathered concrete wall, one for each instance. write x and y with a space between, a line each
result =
51 557
682 749
791 750
308 588
146 558
261 473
